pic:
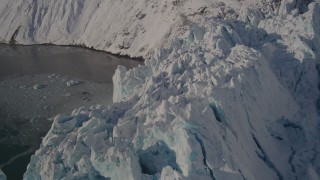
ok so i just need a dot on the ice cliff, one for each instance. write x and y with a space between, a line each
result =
2 176
229 90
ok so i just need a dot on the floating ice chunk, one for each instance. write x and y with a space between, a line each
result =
52 76
39 86
68 94
22 87
73 82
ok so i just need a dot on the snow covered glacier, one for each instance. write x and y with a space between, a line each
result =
229 90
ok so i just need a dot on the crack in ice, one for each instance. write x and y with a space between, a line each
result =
204 153
264 157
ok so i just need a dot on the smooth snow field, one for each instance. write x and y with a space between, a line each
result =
40 81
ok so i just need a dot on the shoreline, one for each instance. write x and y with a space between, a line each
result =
138 59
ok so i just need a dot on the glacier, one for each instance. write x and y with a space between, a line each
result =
2 175
229 90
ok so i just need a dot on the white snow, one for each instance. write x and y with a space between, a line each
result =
127 27
228 90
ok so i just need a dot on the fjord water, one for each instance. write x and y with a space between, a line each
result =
24 110
75 61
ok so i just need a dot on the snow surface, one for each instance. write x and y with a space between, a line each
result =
127 27
229 90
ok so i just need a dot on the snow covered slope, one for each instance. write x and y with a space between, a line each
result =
228 91
126 27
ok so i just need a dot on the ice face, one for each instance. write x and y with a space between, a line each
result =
2 175
226 92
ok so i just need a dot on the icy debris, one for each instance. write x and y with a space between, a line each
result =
48 107
73 83
68 94
52 76
22 87
39 86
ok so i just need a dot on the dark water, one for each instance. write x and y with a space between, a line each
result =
17 168
74 61
43 59
14 168
9 151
